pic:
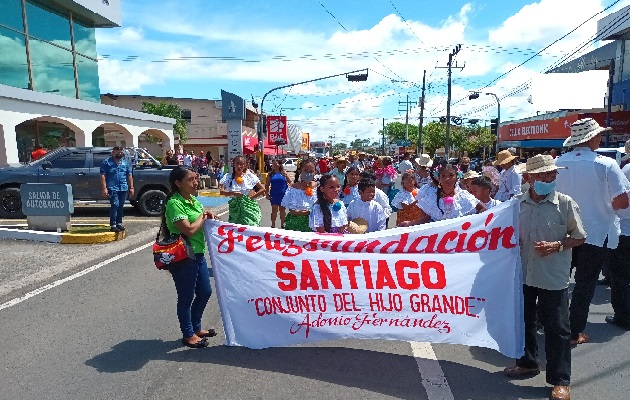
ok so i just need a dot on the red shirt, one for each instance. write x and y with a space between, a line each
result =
323 166
37 154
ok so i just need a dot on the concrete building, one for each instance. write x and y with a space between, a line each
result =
206 130
49 85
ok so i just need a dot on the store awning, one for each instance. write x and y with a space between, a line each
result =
530 144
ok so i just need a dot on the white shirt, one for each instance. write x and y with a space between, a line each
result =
370 211
349 198
402 197
509 184
464 203
187 160
593 181
404 166
491 203
250 180
316 218
297 200
624 214
382 199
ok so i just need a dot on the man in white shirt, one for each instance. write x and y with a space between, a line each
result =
510 180
405 164
599 187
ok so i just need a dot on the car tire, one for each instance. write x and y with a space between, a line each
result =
151 203
10 203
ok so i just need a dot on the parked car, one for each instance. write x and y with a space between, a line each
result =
80 167
290 164
616 153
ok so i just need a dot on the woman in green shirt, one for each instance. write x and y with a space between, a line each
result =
184 215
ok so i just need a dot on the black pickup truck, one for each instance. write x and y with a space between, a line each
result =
80 167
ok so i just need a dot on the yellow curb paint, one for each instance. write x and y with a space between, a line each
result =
209 194
91 238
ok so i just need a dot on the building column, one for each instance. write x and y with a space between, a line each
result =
8 145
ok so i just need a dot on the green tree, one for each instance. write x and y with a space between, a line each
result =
170 110
395 131
339 147
433 136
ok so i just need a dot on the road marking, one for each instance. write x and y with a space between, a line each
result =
433 378
71 277
86 271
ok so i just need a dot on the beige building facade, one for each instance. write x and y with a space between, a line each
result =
206 130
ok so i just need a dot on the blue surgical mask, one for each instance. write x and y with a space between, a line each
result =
544 188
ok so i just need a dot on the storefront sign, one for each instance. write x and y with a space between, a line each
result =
456 281
46 199
556 128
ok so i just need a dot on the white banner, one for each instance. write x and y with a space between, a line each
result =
455 281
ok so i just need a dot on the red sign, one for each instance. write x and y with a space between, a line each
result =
277 128
619 121
556 128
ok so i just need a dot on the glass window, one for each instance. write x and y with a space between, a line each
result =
46 25
11 14
98 158
13 65
88 79
84 39
186 115
53 71
72 160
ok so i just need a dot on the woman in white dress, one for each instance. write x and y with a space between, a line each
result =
299 199
244 187
445 201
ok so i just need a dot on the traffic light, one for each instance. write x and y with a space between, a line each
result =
494 126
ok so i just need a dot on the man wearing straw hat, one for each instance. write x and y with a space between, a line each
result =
600 188
550 225
510 180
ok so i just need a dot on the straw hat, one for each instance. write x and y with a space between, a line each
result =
503 157
424 161
537 164
582 131
358 226
471 175
341 159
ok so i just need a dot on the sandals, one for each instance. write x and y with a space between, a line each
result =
581 339
199 345
211 333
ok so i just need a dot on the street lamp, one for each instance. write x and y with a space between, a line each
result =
352 76
475 95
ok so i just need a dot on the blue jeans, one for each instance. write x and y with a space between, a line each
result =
192 283
117 202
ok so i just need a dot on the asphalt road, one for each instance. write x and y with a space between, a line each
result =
112 333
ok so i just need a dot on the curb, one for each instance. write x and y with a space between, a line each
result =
208 193
63 238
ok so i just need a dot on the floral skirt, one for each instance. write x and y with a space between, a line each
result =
244 211
298 223
408 214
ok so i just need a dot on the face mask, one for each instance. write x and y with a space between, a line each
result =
544 188
118 156
307 176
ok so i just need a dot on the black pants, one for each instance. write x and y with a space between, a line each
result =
587 259
553 309
620 279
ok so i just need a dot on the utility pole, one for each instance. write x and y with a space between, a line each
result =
383 142
406 103
420 122
452 54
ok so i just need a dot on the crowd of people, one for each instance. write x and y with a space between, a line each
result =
574 209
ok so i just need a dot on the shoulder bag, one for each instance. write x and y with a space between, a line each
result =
171 251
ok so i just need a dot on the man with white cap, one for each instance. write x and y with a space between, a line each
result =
550 225
600 188
510 180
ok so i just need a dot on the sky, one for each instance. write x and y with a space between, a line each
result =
195 48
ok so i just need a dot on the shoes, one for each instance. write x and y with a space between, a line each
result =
521 372
120 227
211 333
560 393
199 345
114 228
617 322
581 339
